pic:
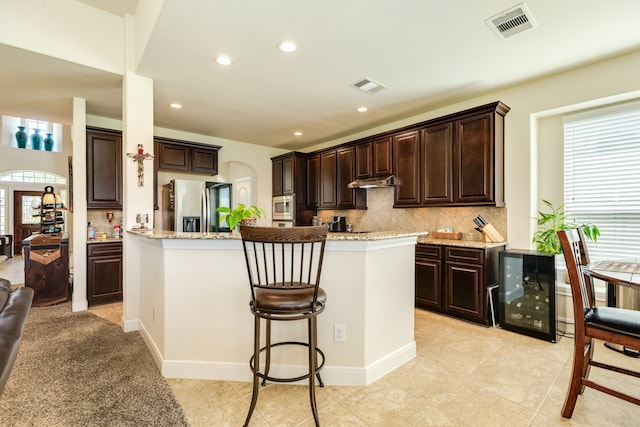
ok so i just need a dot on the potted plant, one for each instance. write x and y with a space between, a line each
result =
549 223
241 215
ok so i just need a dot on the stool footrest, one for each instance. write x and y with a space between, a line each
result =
292 379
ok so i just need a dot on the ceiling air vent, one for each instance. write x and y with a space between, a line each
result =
512 21
369 86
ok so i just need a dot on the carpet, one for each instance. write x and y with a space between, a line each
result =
77 369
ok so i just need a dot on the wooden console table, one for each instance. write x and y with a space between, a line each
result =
46 268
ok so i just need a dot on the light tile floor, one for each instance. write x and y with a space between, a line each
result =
463 375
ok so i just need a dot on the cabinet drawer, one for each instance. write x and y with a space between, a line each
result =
428 251
104 249
475 256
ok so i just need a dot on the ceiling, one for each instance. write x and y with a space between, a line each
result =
427 53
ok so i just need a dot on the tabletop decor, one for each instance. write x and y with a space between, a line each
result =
241 215
21 137
36 139
140 157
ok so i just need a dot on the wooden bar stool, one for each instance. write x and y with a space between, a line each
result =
284 266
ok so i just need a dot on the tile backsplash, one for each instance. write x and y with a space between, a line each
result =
381 216
98 218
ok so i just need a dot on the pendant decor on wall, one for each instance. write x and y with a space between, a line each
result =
36 139
48 143
140 157
21 137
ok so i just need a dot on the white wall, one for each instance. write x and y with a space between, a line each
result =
532 106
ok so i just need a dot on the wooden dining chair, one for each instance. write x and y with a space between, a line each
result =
284 266
610 324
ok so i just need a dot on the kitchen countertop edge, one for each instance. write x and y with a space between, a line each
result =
379 235
460 243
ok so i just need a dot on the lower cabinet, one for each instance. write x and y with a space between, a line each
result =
454 280
104 273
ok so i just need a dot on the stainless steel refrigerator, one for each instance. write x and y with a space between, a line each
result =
190 206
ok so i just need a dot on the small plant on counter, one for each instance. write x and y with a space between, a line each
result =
241 214
549 223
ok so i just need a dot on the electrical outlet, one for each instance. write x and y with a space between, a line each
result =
339 333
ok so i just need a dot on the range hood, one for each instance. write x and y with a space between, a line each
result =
388 181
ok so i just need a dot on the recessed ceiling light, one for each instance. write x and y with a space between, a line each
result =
297 133
223 60
287 46
175 105
361 109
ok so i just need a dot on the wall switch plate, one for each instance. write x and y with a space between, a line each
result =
339 333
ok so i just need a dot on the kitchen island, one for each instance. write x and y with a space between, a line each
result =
190 296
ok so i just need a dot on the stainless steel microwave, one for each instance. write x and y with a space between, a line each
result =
283 208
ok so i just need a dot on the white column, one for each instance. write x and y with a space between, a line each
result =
137 128
79 214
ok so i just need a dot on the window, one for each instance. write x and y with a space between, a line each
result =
45 127
602 177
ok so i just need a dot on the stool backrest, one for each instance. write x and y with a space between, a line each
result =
284 257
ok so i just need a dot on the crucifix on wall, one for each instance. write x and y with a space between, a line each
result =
140 157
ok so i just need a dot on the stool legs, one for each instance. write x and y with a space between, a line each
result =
312 331
256 368
313 363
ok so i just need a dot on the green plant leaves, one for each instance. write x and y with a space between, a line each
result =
549 223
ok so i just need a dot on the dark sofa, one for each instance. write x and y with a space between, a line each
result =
14 308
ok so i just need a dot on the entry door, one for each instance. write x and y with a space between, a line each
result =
24 223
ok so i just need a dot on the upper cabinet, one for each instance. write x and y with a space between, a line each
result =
460 160
104 169
289 175
406 165
313 181
373 158
186 156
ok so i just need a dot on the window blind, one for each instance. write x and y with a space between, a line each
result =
602 177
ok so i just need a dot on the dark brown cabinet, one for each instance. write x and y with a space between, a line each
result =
478 160
104 273
329 173
46 268
328 179
406 167
186 156
373 158
459 160
454 280
436 164
289 174
313 181
104 169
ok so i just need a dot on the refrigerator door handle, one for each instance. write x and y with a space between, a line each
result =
206 216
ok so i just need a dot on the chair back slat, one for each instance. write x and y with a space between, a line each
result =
287 258
576 257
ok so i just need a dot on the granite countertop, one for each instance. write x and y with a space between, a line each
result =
378 235
460 243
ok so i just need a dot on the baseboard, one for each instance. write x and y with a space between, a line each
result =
331 375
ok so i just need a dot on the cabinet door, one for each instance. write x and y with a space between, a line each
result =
436 164
382 154
288 175
204 161
174 157
364 160
328 174
104 273
346 173
464 290
313 181
276 177
474 161
428 283
406 167
104 170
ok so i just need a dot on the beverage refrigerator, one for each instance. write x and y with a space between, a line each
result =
190 206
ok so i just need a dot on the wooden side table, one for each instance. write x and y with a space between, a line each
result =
46 268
